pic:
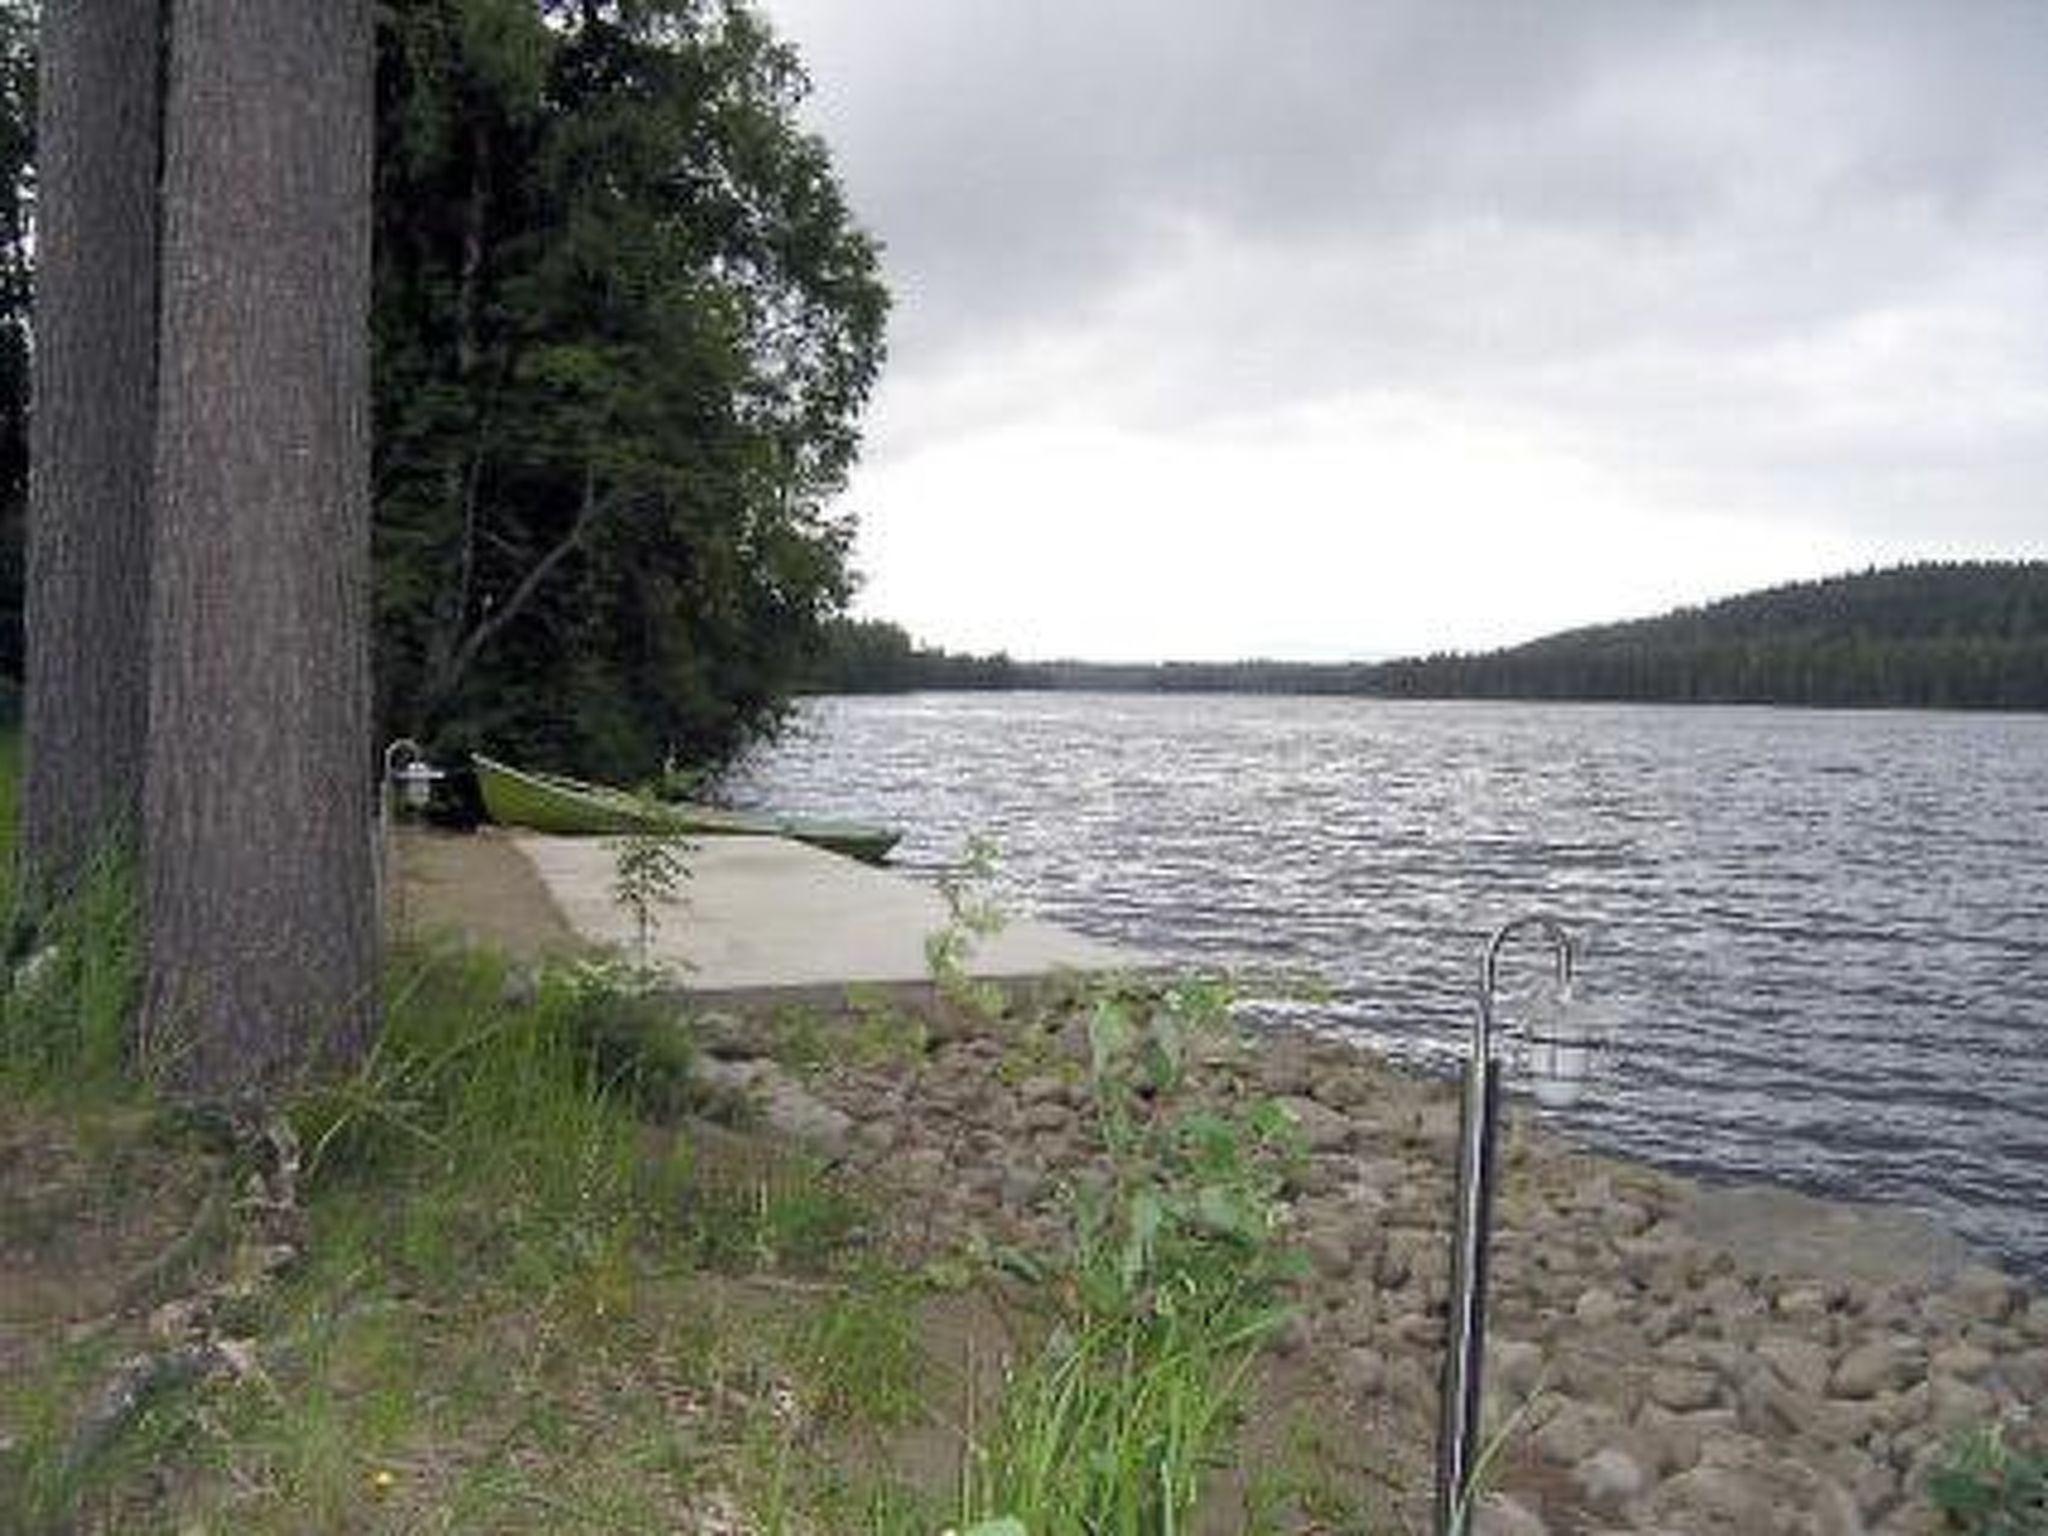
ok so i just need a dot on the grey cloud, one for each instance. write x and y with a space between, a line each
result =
1609 217
1024 159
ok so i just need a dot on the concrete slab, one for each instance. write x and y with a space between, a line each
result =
760 914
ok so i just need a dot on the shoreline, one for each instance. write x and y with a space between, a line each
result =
1688 1357
1694 1356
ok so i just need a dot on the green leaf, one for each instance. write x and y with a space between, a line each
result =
1109 1037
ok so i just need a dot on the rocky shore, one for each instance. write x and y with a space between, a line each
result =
1673 1357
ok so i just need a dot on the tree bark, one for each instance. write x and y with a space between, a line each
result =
259 876
91 432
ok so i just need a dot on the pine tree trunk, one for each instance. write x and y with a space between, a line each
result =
94 382
262 937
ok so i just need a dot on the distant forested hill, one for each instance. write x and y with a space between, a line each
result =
1967 635
1964 636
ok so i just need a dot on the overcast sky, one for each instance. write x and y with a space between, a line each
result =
1344 328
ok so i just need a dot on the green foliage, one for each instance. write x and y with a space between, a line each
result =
630 1043
872 656
1175 1280
1968 635
1963 635
972 914
647 875
469 1072
72 965
625 326
71 994
1987 1487
861 1354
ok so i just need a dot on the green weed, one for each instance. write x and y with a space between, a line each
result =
71 992
647 876
861 1357
1174 1282
972 914
1988 1487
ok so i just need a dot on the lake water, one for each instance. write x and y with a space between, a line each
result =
1822 938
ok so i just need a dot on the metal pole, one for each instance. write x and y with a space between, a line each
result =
1478 1137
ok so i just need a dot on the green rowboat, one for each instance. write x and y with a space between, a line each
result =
550 802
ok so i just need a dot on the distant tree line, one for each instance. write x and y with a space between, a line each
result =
1960 635
1936 636
873 656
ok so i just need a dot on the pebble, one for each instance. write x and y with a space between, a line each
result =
1329 1249
1596 1307
1966 1362
1872 1367
1673 1388
1322 1128
1800 1363
1684 1391
1502 1516
1514 1367
1609 1479
1576 1430
1984 1293
1362 1371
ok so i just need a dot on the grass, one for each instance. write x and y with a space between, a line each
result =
1175 1280
522 1284
531 1277
515 1292
1988 1487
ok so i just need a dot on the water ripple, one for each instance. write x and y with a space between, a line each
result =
1826 934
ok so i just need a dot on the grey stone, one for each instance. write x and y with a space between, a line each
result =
1407 1253
1965 1362
1596 1307
1293 1335
1514 1367
1043 1088
1435 1123
1835 1511
1800 1363
1362 1371
1502 1516
1877 1365
1576 1430
1609 1479
1021 1186
1684 1391
1984 1293
1285 1066
1322 1128
2026 1375
1710 1501
1952 1404
1323 1175
1807 1304
1422 1328
1770 1408
1671 1442
1329 1249
786 1106
1044 1116
519 989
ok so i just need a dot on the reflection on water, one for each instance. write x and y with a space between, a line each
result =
1825 934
